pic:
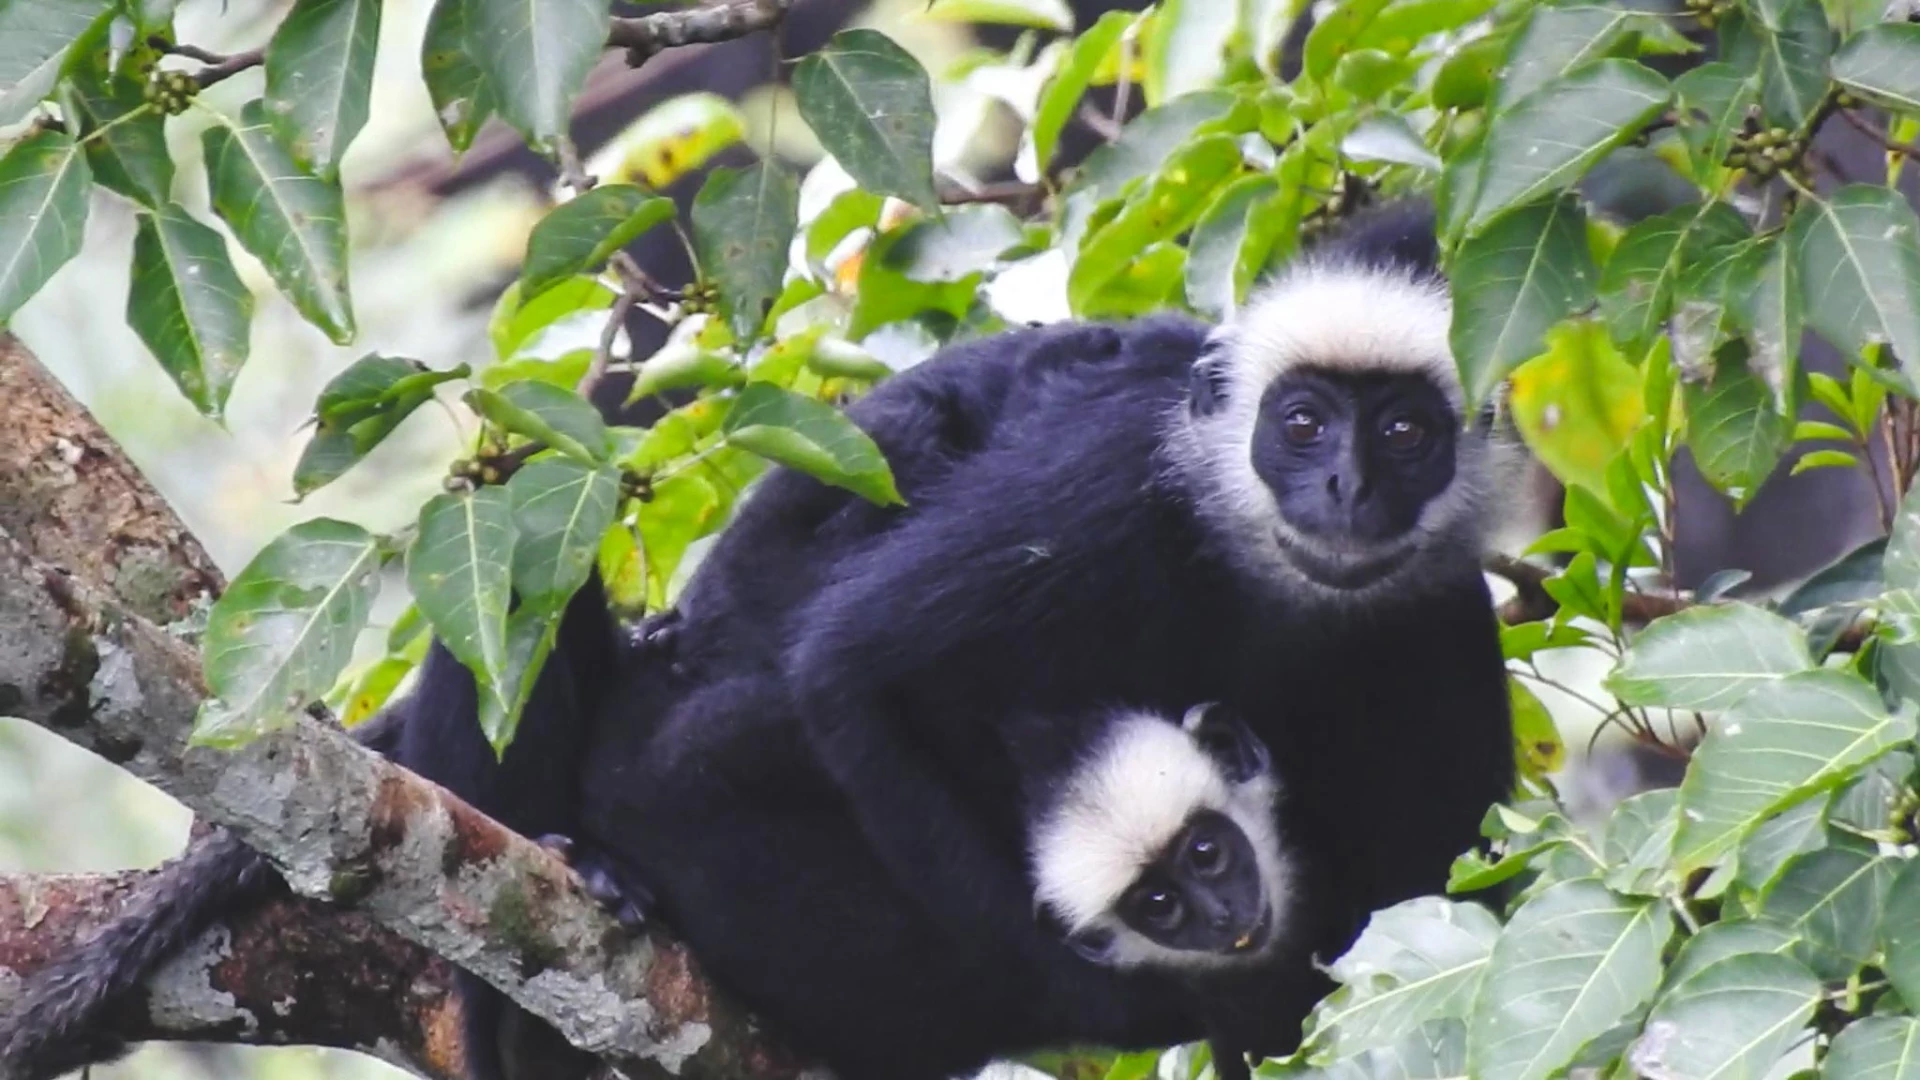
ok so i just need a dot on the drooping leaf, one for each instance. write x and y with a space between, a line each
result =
1875 1048
1063 90
43 212
1557 38
546 413
743 221
1708 657
1831 900
1859 269
812 437
581 233
1528 271
1637 286
1767 304
531 634
1734 427
1781 743
460 570
535 58
560 508
1882 63
189 305
685 507
1417 961
1732 1018
516 327
1040 14
1574 961
871 105
320 78
284 629
36 37
293 222
462 100
1157 211
1792 60
1226 249
358 409
126 140
1549 139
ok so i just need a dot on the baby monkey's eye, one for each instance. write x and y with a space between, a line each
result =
1207 856
1161 907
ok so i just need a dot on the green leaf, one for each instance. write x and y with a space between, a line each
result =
546 413
1714 100
1511 284
1731 1019
1792 61
1639 836
1040 14
1875 1048
1465 79
516 326
1226 248
870 104
35 39
1188 48
1557 38
1767 305
743 222
685 507
964 240
358 409
1859 267
582 233
561 507
1549 140
1831 900
1152 137
460 569
1417 961
126 138
43 213
812 437
1882 64
462 100
1388 137
285 627
1403 24
1899 932
851 209
535 58
293 222
1063 90
320 78
1782 743
1333 35
1708 657
1149 283
1795 831
1734 429
1157 211
886 294
1574 961
1637 286
189 306
530 638
682 364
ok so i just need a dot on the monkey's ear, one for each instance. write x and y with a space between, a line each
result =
1228 740
1207 381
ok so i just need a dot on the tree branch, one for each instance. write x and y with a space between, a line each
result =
719 20
339 822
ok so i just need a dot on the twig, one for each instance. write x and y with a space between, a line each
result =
1532 603
219 67
572 172
1891 144
1021 198
719 20
1102 125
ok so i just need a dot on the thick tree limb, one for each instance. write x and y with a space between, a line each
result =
78 657
723 20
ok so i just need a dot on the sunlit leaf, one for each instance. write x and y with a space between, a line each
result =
1157 211
1152 137
812 437
1041 14
546 413
1388 137
964 240
189 306
1226 249
1334 34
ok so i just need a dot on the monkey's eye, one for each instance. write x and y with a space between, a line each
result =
1404 434
1303 425
1161 908
1207 856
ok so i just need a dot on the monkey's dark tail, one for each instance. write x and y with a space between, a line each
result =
58 1022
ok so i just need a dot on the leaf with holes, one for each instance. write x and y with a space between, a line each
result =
1786 740
870 104
43 213
1734 428
582 233
320 78
561 507
1730 1019
743 222
460 569
1859 269
1574 961
455 83
1882 64
535 58
189 305
284 630
1512 284
293 222
813 437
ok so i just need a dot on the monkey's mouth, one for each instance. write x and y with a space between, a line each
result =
1341 570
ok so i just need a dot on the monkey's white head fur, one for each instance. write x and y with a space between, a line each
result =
1339 317
1120 809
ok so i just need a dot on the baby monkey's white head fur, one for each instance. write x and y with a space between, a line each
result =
1161 847
1356 356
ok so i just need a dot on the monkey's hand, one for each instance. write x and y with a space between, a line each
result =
632 905
657 633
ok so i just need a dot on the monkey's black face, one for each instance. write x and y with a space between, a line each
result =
1352 459
1203 894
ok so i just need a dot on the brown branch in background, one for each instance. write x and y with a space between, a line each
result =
719 20
1021 198
1531 603
1891 144
219 67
